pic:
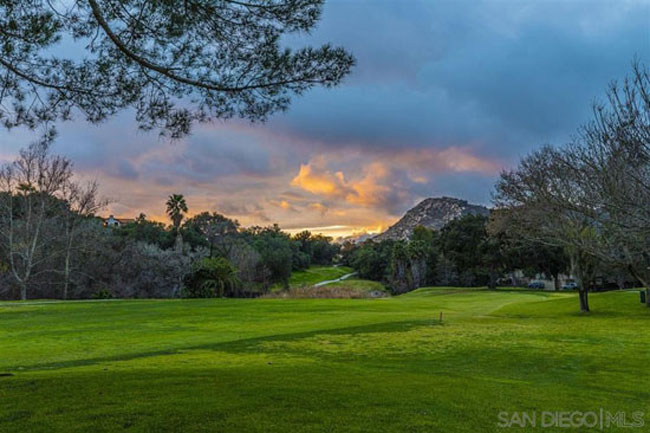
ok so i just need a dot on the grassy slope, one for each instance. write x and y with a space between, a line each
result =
319 365
316 274
357 283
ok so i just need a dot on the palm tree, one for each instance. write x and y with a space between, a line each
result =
176 208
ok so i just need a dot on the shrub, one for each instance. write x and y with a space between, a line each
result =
326 292
102 294
211 277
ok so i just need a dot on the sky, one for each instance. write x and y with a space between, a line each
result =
445 95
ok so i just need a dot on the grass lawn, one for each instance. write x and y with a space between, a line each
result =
320 365
315 274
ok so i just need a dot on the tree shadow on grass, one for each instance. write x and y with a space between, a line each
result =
236 346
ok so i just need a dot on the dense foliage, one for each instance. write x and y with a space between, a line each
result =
172 62
463 253
52 245
212 277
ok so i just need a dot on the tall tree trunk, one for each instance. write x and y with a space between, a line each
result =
68 256
556 282
66 273
179 242
23 291
644 283
492 283
583 294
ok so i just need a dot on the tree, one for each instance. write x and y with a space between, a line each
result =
463 242
251 271
515 252
446 272
592 197
369 264
493 260
211 277
213 230
176 208
29 203
429 240
542 202
144 230
304 242
173 62
408 266
274 247
318 249
611 154
372 259
81 202
323 250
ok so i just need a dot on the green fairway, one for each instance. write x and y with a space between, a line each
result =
315 274
315 365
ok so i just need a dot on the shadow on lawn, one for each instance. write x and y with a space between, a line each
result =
244 345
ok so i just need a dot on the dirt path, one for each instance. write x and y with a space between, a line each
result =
344 277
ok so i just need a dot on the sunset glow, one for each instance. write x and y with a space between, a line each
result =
432 112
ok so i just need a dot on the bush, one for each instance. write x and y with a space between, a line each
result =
102 294
325 292
300 261
141 270
211 277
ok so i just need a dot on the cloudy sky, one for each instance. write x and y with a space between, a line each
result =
445 94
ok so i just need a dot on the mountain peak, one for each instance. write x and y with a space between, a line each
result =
433 213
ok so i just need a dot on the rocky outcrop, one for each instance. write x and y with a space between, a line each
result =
432 213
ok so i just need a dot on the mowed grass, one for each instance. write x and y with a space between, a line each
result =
319 365
315 274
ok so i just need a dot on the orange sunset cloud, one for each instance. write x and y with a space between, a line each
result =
315 178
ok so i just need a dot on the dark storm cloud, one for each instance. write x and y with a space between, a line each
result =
209 153
444 95
500 75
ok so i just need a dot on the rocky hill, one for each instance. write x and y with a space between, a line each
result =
432 213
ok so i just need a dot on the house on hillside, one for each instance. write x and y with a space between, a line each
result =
111 221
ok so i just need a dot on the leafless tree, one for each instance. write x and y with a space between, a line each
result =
540 201
592 197
81 201
30 187
612 154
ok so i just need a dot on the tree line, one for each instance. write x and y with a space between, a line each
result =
53 245
463 253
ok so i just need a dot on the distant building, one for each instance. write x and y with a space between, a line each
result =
111 221
610 280
517 278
